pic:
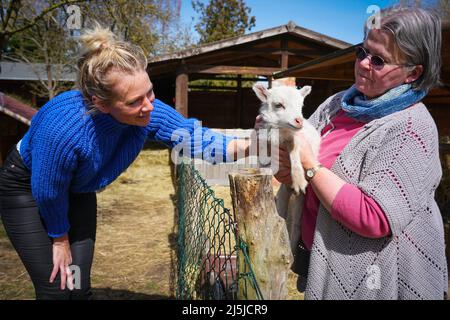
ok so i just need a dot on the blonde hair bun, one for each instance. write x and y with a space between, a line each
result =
96 39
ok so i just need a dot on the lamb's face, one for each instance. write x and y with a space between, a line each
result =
282 106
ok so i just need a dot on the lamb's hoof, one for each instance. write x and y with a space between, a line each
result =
303 186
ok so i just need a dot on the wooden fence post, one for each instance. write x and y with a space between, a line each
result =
263 230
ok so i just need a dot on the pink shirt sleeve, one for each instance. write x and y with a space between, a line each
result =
359 213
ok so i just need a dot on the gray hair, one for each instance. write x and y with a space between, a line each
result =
418 35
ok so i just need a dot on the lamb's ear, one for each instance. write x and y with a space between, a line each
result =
261 92
305 91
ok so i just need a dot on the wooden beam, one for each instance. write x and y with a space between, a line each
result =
343 72
238 102
331 64
161 69
205 76
212 87
14 115
261 71
284 55
218 58
342 56
323 77
277 51
181 93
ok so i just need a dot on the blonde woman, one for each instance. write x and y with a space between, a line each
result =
80 142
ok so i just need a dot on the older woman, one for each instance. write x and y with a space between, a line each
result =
369 219
80 142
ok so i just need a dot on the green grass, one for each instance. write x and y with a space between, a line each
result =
152 286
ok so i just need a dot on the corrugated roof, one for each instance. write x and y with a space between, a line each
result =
32 72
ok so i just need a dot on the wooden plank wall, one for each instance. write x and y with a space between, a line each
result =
441 116
219 109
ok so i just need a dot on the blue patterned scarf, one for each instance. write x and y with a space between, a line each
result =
356 106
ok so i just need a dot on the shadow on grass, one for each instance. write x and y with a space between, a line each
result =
114 294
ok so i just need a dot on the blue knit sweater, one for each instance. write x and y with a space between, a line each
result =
67 149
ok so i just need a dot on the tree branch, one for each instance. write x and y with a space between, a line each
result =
12 7
40 16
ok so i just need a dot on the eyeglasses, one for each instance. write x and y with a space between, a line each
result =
376 61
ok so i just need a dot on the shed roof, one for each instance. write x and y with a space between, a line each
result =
260 50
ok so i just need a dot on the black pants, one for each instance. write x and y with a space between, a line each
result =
27 232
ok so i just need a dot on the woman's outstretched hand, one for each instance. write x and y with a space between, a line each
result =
62 259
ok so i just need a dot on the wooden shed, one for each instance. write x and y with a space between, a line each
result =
252 57
15 118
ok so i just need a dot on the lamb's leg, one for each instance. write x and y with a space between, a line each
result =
289 207
282 200
293 220
298 175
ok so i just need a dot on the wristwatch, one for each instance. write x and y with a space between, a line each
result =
310 173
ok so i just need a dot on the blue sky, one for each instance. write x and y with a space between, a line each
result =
341 19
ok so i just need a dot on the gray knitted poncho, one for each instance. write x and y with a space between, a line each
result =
395 160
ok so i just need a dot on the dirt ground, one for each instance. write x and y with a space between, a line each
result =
136 236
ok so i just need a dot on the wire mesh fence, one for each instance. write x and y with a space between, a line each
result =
213 263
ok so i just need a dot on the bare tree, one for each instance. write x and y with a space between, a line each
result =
444 8
45 47
152 24
16 16
49 49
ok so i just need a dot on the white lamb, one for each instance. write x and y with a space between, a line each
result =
281 110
